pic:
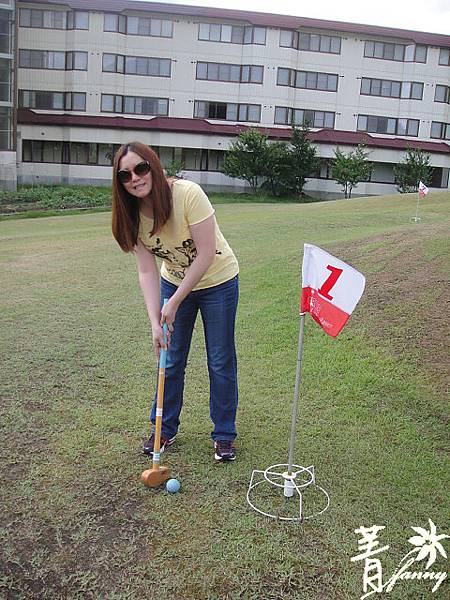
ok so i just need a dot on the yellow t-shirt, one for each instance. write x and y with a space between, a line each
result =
174 243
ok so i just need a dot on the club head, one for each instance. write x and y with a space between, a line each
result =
152 478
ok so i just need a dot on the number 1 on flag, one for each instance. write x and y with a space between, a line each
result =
330 282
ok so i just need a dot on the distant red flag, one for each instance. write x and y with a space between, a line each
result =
423 190
330 289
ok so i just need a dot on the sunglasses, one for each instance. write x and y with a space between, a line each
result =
140 170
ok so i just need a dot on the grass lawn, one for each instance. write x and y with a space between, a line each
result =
78 374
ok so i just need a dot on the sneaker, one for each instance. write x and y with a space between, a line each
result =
224 450
148 445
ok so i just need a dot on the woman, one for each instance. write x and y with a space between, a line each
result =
174 220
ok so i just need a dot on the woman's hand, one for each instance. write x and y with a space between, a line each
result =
168 313
158 340
167 317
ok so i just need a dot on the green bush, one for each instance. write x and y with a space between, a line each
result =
58 197
415 168
276 168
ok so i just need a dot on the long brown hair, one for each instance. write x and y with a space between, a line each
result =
125 207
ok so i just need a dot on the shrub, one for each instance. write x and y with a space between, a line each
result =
54 197
416 167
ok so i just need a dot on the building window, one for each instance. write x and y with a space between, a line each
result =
136 65
40 151
53 19
309 80
53 100
166 154
202 159
310 41
115 23
79 153
227 111
382 173
149 27
105 154
232 34
111 103
322 170
444 56
399 52
231 73
416 54
442 94
42 59
44 100
77 20
6 128
6 87
439 177
392 89
440 131
113 63
75 101
47 59
6 36
76 61
135 105
300 116
412 90
45 19
76 153
144 26
389 125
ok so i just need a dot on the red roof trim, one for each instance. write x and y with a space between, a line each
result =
255 18
202 127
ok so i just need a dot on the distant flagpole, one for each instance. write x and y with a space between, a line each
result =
421 192
416 219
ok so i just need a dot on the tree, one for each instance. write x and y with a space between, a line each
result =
290 164
303 160
247 157
276 167
416 167
283 166
350 169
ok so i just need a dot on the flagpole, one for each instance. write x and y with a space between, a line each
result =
416 218
293 488
296 393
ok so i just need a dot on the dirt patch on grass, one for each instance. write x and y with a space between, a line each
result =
66 555
406 301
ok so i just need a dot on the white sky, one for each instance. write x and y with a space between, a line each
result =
418 15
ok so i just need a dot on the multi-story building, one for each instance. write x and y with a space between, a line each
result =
186 80
8 168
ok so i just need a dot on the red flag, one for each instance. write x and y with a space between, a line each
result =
423 190
330 289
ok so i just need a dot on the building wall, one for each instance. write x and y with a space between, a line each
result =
185 50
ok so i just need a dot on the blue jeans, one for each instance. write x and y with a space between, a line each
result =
217 307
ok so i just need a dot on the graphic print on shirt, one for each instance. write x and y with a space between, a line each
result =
159 250
188 252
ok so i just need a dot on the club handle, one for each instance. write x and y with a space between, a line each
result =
162 352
